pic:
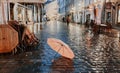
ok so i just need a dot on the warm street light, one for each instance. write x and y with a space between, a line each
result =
79 4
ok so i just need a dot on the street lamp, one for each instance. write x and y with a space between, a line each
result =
79 4
73 9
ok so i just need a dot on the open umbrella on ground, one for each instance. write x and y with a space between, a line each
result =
8 39
60 47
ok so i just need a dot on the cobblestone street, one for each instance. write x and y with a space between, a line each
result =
94 53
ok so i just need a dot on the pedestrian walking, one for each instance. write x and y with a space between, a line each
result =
87 24
109 26
92 23
68 20
95 27
63 19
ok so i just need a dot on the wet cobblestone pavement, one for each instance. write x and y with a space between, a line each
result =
94 53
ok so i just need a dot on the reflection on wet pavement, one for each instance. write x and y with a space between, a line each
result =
62 65
93 53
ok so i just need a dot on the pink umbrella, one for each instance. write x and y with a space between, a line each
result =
60 47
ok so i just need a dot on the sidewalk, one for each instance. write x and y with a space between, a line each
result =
116 27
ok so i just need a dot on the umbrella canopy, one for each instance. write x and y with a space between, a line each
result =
8 38
60 47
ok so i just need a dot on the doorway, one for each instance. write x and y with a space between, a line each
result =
88 17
